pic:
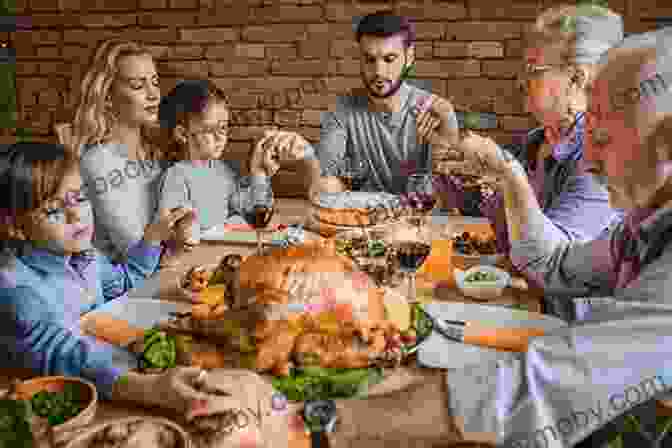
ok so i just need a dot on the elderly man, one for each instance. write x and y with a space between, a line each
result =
386 128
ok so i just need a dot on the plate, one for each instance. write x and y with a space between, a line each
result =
438 352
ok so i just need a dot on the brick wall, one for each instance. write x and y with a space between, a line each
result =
282 61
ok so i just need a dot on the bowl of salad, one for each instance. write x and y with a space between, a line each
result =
482 282
68 403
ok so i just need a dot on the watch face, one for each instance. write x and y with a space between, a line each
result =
320 415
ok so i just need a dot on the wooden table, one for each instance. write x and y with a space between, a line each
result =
163 286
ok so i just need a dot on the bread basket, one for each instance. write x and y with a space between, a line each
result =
86 437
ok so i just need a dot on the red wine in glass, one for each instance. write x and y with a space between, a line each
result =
412 255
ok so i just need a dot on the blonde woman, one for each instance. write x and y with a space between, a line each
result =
117 112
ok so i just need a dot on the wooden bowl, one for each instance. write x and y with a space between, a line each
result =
26 389
84 438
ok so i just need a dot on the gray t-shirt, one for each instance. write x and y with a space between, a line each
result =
386 142
216 191
123 193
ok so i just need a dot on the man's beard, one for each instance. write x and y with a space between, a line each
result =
391 92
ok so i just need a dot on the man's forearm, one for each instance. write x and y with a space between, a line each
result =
520 201
418 414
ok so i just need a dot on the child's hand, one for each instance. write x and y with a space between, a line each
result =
164 228
277 147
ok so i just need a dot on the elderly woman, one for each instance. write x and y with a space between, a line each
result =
572 382
563 47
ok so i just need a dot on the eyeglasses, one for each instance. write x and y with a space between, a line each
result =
221 130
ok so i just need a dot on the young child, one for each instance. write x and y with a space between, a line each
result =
51 275
195 118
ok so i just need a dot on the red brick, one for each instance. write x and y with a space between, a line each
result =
428 30
649 9
515 123
472 92
154 35
61 68
506 68
168 18
260 84
79 36
167 82
328 31
424 50
482 50
281 51
74 5
433 11
50 20
344 67
344 49
312 48
345 11
50 52
220 51
39 37
285 118
221 15
183 4
107 20
513 48
153 4
314 85
450 49
34 118
76 52
49 97
317 101
255 51
185 69
238 67
243 100
312 117
27 98
159 51
275 33
186 52
27 68
449 69
208 35
312 134
299 67
474 31
276 99
286 14
115 5
251 117
519 9
44 5
19 6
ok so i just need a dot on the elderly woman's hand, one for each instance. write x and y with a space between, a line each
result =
486 157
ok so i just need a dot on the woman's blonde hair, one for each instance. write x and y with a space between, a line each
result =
93 121
554 27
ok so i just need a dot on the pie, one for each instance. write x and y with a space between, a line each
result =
357 208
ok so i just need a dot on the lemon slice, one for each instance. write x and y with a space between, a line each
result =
213 295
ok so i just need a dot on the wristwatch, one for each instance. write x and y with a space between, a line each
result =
320 417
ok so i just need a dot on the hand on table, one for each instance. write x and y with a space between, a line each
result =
276 147
164 228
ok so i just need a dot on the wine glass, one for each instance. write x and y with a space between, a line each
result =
420 193
353 174
260 209
411 251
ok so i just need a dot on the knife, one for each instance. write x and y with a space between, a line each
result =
509 339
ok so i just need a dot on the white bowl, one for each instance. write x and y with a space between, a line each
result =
482 290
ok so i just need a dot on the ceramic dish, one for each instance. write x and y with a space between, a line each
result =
482 289
90 437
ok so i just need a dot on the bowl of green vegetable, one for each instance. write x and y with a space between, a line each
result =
68 403
482 282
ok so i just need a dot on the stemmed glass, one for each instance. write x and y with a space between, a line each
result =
420 193
353 174
412 251
260 209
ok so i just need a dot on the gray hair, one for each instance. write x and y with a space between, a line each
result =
586 31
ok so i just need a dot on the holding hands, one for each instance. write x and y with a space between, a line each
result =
274 148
